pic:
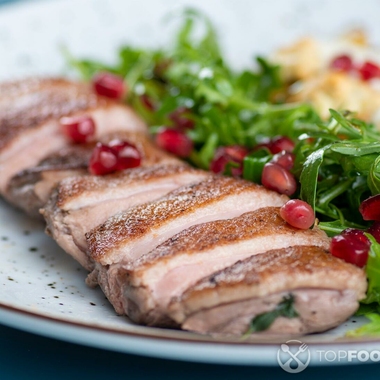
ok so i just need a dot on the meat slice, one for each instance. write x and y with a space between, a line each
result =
30 189
326 291
29 120
148 285
128 235
82 203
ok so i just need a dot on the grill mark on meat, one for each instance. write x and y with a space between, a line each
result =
132 225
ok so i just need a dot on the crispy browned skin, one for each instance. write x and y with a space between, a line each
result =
200 250
275 271
76 187
133 223
46 99
205 236
79 204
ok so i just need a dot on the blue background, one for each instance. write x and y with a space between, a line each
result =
28 356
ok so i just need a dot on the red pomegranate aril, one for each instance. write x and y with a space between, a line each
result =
175 142
343 63
277 144
78 129
236 152
355 233
275 177
103 160
369 70
370 208
109 85
180 118
350 249
218 164
374 230
147 102
280 143
229 154
128 156
298 214
284 159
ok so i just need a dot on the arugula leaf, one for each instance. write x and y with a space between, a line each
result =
373 272
309 176
370 307
356 148
343 126
374 176
263 321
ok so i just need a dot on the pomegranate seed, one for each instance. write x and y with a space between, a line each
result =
147 102
374 230
180 120
280 143
350 248
228 154
355 233
277 178
219 163
236 152
277 144
343 63
298 214
109 85
369 70
78 129
128 156
284 159
370 208
174 141
103 160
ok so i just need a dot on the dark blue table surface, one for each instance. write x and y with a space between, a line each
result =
28 356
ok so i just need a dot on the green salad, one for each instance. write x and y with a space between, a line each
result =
336 161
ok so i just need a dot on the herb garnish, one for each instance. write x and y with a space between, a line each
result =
263 321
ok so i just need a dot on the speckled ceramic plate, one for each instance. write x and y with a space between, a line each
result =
43 289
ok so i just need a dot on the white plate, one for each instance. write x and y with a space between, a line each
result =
42 289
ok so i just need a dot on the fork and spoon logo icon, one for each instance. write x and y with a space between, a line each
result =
293 356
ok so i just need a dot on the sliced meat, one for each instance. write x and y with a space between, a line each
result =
29 120
82 203
128 235
143 289
326 291
31 188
